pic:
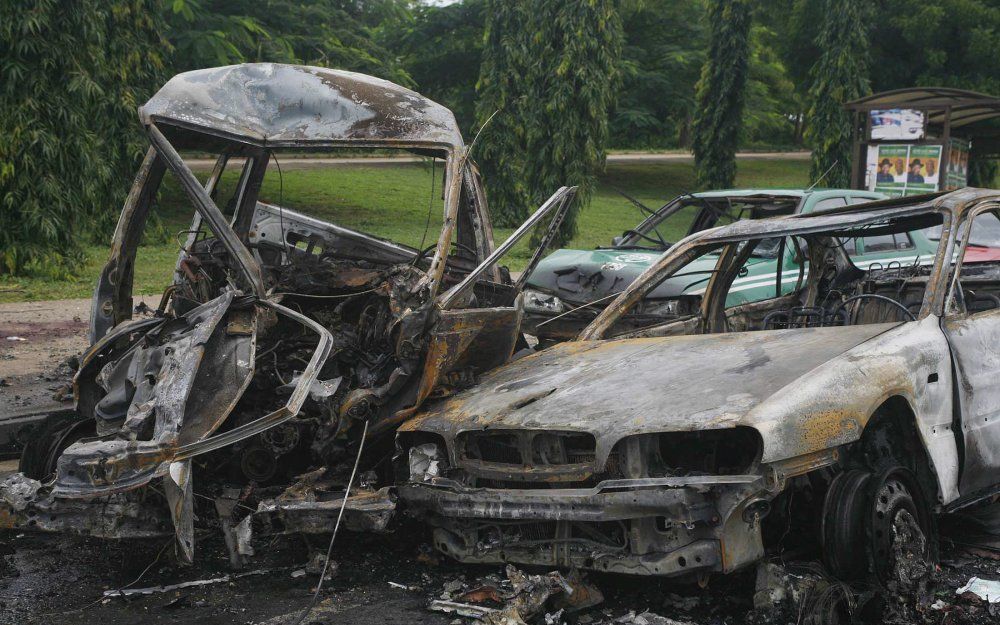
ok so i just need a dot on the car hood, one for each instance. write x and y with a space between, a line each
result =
623 387
584 276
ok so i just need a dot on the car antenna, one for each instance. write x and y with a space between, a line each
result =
479 132
820 179
643 208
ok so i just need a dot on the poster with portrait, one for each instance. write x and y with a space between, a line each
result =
958 165
898 170
923 169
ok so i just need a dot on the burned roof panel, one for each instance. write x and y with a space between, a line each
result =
851 216
290 105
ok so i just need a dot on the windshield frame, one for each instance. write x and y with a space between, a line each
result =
728 238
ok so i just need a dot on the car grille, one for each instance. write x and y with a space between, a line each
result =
528 448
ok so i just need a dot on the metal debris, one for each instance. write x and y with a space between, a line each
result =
129 592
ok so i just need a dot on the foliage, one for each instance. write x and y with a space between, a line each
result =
329 33
840 75
501 150
721 93
554 76
71 77
774 111
661 60
441 49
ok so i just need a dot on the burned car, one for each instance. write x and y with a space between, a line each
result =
282 334
852 408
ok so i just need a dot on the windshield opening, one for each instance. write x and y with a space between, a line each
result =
841 276
692 213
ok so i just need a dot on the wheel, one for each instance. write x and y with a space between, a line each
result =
843 525
52 436
900 526
870 521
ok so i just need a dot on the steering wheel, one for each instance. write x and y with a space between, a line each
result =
881 298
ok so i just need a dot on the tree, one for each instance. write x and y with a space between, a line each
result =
71 77
661 60
570 93
552 68
501 151
840 75
330 33
721 93
441 49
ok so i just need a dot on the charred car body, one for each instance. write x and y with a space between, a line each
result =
852 407
281 333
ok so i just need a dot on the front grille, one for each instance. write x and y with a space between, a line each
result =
498 449
528 448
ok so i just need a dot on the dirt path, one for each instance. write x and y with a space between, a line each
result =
35 339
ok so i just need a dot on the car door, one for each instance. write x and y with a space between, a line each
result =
974 338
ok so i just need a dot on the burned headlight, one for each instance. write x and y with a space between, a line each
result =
538 302
427 461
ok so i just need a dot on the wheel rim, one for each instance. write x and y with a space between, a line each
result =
900 528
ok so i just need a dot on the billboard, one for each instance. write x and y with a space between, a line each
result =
897 124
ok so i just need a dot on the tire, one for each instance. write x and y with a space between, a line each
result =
843 526
53 435
865 514
898 511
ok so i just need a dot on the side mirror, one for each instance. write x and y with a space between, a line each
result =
615 242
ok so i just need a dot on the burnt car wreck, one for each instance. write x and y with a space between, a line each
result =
834 419
281 333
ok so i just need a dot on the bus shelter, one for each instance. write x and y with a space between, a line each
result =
919 140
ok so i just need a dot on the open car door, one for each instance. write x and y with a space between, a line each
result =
466 341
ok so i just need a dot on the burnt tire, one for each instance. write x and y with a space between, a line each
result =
843 527
900 525
52 436
871 519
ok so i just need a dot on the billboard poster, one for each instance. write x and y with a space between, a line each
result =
958 165
897 124
905 169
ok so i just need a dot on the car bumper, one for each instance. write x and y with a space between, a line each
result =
676 526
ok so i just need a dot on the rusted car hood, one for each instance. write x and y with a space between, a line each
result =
623 387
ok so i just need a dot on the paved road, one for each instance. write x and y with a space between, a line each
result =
623 157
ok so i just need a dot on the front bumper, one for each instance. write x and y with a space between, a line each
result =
668 526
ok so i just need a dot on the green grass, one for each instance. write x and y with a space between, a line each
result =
392 201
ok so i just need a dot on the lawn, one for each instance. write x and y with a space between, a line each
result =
393 201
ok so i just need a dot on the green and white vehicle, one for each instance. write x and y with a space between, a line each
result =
570 287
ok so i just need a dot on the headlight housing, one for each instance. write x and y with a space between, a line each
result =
426 462
543 303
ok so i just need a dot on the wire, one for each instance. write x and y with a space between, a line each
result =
327 296
281 201
329 549
430 208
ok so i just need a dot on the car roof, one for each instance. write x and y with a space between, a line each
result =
275 105
783 193
849 216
